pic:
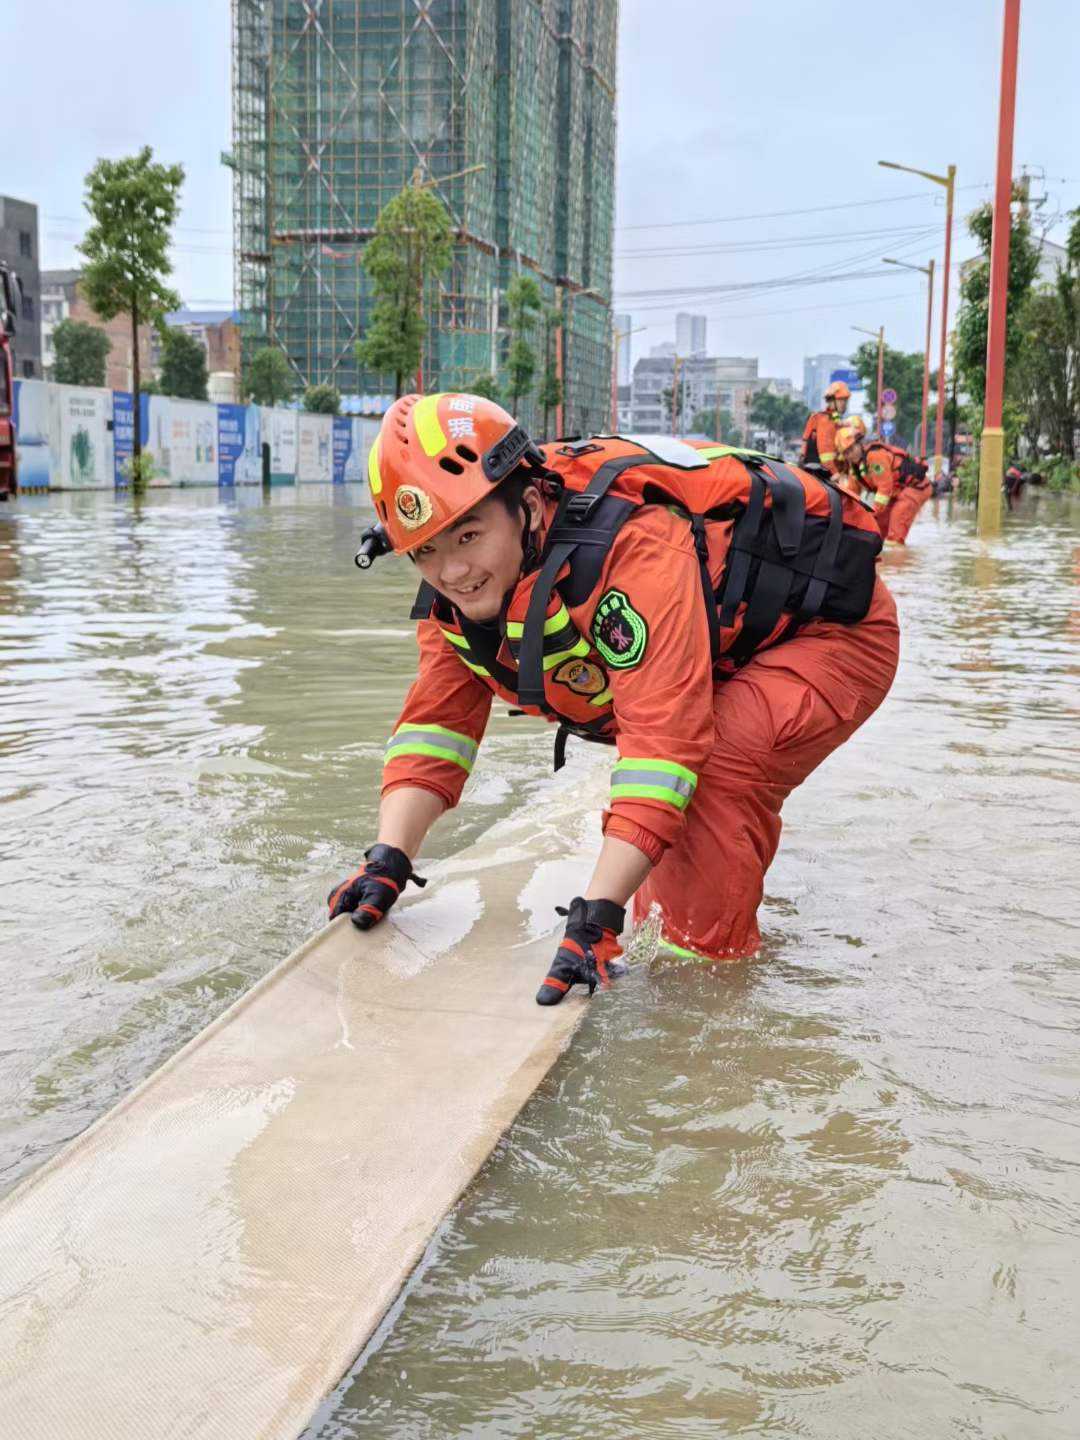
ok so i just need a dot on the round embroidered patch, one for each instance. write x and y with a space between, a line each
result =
619 632
413 506
581 676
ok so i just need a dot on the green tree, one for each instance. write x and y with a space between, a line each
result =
973 314
183 366
552 392
81 353
133 205
1047 384
269 377
322 400
718 423
672 404
412 245
523 309
780 415
903 370
485 385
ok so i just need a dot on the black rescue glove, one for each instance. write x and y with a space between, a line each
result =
368 894
589 945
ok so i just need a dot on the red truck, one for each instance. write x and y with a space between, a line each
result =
9 291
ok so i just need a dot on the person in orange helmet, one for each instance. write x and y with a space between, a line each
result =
896 482
725 658
852 429
818 446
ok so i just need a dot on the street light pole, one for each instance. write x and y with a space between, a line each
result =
879 336
992 445
928 271
948 180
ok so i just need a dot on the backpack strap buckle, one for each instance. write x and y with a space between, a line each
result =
580 506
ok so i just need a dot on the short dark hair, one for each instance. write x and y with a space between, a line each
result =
512 490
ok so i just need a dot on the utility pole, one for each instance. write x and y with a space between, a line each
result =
992 444
928 271
948 181
675 394
879 336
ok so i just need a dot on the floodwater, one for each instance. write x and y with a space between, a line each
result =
833 1192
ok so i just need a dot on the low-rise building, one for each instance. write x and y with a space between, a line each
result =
216 331
707 384
62 291
19 249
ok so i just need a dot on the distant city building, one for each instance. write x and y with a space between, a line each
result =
777 385
816 372
666 347
707 385
1052 259
690 334
19 248
63 299
626 423
623 325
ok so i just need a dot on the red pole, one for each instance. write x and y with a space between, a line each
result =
939 429
926 357
880 372
992 440
999 244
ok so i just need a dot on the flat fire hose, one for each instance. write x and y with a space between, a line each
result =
207 1259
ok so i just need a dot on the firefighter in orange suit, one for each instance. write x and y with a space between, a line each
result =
724 658
848 477
818 446
896 483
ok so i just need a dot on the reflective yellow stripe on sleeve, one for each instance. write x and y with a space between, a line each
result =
635 779
461 645
434 740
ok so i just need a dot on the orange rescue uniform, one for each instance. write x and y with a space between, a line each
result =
706 756
819 439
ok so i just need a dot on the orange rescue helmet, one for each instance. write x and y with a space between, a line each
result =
852 432
438 456
837 390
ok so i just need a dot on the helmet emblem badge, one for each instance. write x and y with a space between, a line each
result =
413 506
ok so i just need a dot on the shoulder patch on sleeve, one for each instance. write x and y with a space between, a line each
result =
619 633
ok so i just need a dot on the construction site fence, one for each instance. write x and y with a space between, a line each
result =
73 437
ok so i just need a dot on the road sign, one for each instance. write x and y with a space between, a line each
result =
889 397
888 428
888 410
851 378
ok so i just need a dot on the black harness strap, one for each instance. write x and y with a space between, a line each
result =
826 558
788 504
741 552
701 546
569 530
424 602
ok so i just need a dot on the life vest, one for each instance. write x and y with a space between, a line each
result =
811 448
907 471
797 549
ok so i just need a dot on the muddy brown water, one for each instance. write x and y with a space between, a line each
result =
833 1192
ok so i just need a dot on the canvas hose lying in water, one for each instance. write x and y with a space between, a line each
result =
208 1258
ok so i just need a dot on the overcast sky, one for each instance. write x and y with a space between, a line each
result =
727 108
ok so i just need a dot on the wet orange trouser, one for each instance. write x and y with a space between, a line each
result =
903 510
776 720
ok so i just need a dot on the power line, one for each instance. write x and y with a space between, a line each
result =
810 210
736 247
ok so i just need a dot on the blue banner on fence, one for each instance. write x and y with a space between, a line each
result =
239 461
343 441
123 410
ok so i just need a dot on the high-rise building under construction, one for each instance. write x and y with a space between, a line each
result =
337 104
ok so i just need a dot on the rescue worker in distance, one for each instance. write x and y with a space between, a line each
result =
714 614
819 434
897 483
